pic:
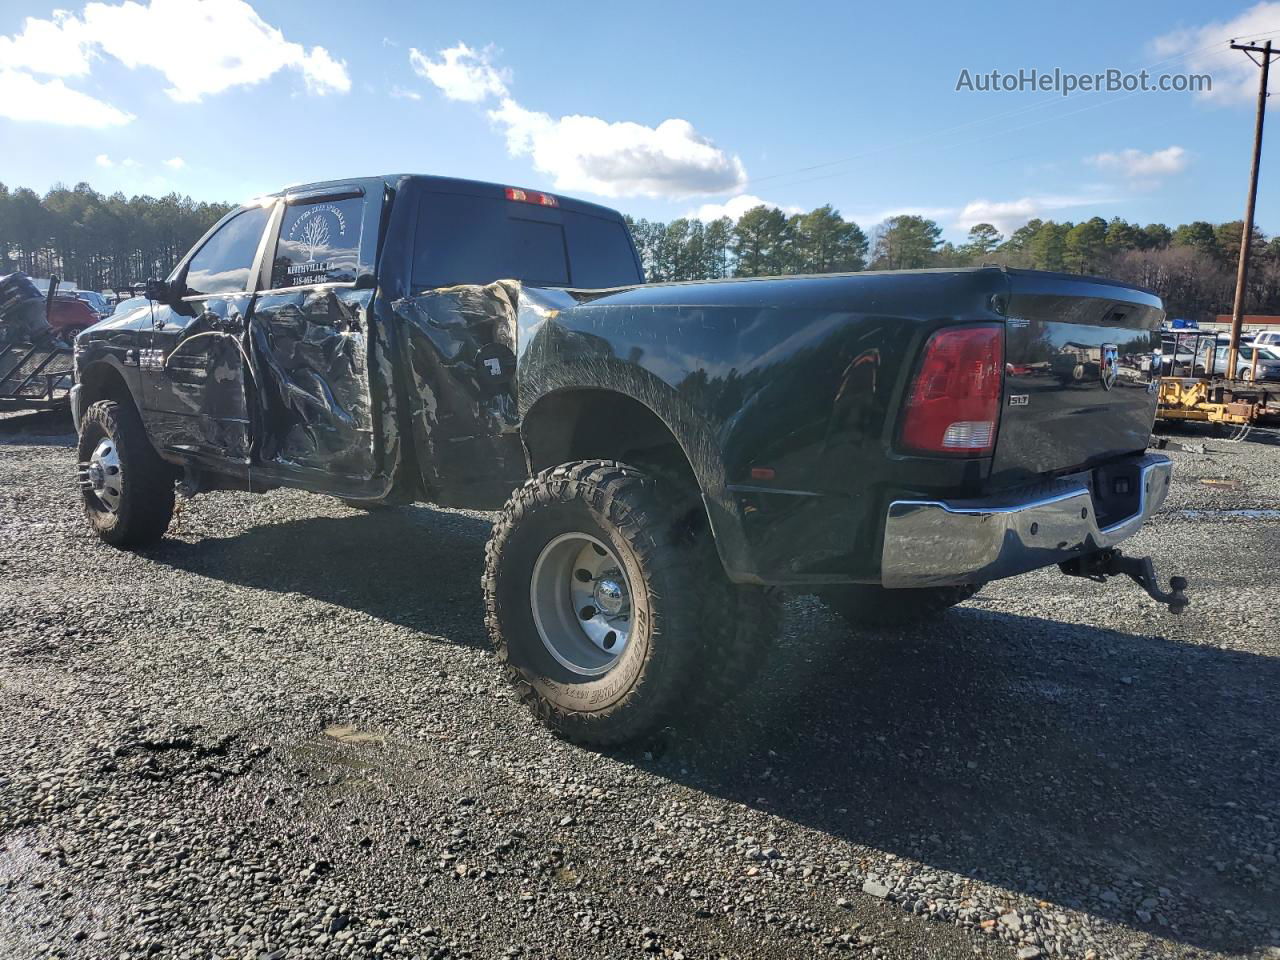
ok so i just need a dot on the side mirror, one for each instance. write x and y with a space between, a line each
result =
159 291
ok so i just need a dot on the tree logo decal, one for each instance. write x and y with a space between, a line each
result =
314 235
317 245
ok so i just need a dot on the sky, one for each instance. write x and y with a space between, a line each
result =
659 109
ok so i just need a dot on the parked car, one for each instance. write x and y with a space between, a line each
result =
1270 338
70 315
97 302
1267 368
663 456
71 310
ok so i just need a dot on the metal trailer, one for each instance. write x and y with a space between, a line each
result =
36 375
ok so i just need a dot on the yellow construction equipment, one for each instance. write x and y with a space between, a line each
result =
1190 399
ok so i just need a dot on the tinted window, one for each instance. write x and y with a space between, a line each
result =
319 243
222 265
466 239
600 251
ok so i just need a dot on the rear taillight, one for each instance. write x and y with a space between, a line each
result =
954 401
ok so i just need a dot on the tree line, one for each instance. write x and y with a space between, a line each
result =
101 242
1192 267
98 242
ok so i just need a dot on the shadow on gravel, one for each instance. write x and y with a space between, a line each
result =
1105 766
45 428
410 566
1079 765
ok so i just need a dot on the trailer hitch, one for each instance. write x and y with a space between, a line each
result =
1101 564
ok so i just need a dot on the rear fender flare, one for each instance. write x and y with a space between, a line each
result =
695 435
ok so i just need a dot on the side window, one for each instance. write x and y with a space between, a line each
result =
224 263
319 243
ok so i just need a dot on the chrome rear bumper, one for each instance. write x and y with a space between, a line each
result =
935 543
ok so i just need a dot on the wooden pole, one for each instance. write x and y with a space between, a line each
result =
1246 235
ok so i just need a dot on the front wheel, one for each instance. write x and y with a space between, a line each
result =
869 605
126 488
608 606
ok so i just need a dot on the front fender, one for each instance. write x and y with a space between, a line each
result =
98 370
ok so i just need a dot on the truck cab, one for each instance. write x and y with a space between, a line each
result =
265 351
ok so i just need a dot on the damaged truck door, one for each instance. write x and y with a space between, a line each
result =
309 340
195 381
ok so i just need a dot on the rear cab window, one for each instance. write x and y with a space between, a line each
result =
467 238
319 242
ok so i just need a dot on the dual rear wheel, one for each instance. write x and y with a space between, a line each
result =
608 607
612 616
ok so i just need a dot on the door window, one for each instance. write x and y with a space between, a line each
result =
224 263
319 243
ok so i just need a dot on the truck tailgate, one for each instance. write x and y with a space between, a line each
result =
1079 387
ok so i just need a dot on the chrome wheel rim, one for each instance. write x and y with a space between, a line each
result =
581 601
106 481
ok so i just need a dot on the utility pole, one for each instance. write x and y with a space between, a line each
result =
1246 235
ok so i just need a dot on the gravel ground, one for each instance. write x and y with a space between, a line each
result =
279 734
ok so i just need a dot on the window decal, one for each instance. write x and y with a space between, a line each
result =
319 243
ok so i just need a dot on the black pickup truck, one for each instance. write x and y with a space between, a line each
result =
664 457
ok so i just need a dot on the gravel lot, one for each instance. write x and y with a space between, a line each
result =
279 734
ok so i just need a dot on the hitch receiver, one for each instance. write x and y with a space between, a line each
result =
1101 564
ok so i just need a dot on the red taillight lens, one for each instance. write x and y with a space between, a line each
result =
954 401
532 196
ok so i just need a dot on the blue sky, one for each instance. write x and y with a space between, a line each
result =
673 107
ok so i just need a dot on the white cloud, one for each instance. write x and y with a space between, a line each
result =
461 73
400 93
235 47
609 158
201 47
1135 163
619 159
321 72
29 100
57 47
1007 215
175 163
102 160
735 207
129 162
1207 50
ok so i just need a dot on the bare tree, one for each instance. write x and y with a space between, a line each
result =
315 235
